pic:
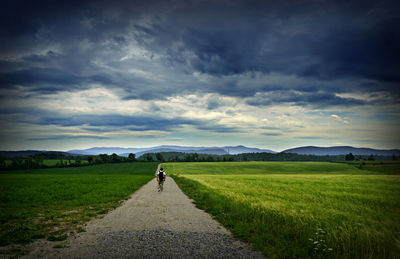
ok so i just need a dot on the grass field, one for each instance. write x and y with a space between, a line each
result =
301 209
52 203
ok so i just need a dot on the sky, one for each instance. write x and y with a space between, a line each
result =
266 74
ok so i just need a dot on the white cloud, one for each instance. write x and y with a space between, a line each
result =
337 117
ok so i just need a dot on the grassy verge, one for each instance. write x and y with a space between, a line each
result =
320 210
52 203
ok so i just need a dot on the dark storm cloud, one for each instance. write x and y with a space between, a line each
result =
38 76
370 52
109 123
67 46
67 137
147 123
316 39
51 80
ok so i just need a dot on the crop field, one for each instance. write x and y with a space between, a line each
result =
301 209
53 203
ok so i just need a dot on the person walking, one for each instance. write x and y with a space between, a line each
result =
161 179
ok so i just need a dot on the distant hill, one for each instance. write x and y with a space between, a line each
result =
27 153
211 151
341 150
233 150
106 150
170 148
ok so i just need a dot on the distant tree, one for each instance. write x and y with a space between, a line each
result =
148 157
40 162
96 159
77 161
186 158
159 157
115 158
28 163
16 163
132 156
2 164
371 158
350 157
210 158
103 158
60 162
394 158
90 159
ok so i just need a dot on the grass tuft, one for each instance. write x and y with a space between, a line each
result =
59 246
57 238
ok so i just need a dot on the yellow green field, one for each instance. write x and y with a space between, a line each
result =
301 209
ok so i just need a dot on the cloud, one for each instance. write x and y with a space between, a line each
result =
270 134
116 122
218 128
68 137
314 137
210 67
337 117
318 99
317 41
329 40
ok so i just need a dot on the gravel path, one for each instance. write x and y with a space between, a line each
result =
151 224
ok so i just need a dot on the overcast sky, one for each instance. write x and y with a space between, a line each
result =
268 74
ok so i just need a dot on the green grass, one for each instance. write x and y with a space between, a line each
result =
53 202
384 167
282 208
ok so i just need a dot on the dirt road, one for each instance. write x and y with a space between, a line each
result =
151 224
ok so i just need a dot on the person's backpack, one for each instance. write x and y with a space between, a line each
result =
161 176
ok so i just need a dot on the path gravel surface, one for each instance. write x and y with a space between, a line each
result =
151 224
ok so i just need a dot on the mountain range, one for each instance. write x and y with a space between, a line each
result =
233 150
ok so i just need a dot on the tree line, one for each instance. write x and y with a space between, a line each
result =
351 157
39 160
195 157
